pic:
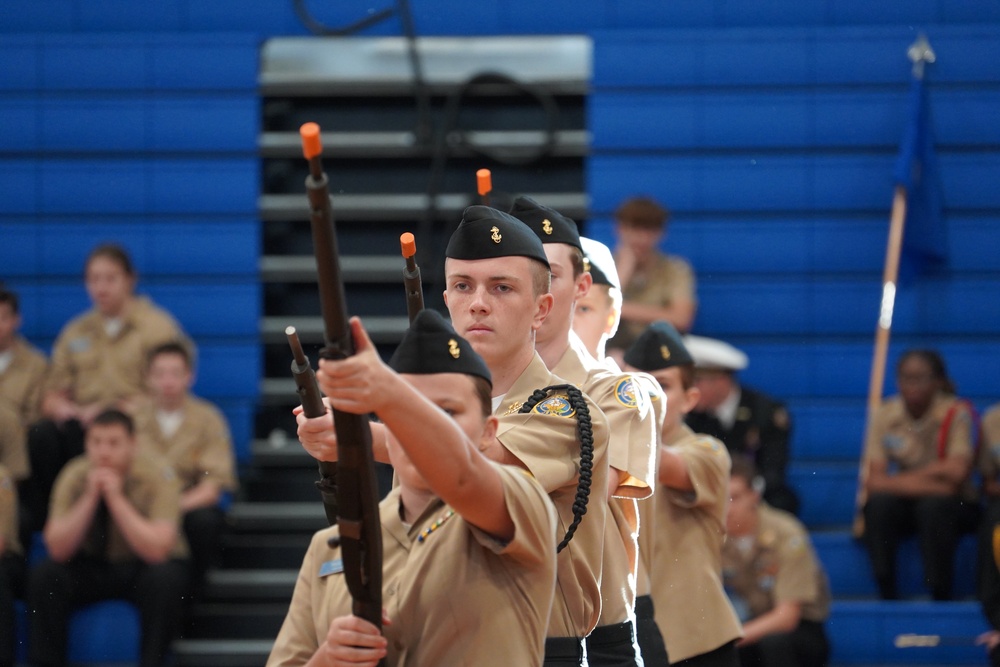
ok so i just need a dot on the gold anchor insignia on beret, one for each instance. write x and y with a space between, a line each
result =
664 352
453 348
495 234
547 226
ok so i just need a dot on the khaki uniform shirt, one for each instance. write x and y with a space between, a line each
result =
150 486
989 455
667 280
647 508
8 514
13 443
908 444
21 384
455 595
201 449
632 450
96 368
545 441
780 566
692 609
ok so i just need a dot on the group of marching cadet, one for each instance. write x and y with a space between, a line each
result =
552 504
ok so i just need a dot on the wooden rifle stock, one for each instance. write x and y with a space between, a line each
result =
312 406
411 276
357 492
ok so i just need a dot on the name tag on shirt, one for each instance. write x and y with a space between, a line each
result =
335 566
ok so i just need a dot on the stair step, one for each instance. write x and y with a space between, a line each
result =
381 329
281 452
282 485
394 207
248 552
568 143
277 517
353 268
222 652
251 585
237 621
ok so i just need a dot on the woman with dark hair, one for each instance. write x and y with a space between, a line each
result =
919 453
97 363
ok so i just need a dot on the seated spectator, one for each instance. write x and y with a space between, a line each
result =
598 312
690 518
655 286
988 583
12 566
112 533
193 437
97 363
776 583
918 458
22 372
749 422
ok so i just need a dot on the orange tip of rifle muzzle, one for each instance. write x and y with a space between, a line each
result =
408 244
484 180
311 145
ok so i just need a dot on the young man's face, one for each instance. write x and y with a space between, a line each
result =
594 316
641 241
743 502
565 290
493 306
10 322
714 385
456 394
680 401
108 285
169 377
110 446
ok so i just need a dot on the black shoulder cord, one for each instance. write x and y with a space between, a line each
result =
585 433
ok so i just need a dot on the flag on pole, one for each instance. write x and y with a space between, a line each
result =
925 241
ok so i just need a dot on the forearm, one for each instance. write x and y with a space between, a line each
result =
151 540
680 314
910 483
673 471
203 494
64 534
783 618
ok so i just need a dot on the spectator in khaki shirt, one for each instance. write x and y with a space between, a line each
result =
988 581
12 566
112 532
192 435
776 582
98 361
469 552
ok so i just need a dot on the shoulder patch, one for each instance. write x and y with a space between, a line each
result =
627 393
557 406
710 444
79 344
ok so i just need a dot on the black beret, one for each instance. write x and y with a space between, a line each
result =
431 345
485 233
658 347
550 226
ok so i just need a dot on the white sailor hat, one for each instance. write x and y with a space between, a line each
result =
712 353
602 263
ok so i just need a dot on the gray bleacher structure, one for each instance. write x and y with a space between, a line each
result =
769 128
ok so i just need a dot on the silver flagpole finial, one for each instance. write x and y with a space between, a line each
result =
920 53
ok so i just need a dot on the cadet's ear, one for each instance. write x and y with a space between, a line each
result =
691 398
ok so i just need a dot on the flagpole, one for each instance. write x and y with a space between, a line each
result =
919 53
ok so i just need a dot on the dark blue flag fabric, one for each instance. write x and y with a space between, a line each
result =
925 239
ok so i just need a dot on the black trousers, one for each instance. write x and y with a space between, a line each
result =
50 446
612 646
987 575
651 644
203 528
805 646
724 656
938 522
12 573
563 651
56 589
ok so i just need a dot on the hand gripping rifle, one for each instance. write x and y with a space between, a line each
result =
411 276
357 494
312 406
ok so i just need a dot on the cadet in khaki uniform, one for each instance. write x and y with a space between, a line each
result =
692 610
775 580
112 532
192 435
919 455
22 372
988 582
12 566
97 363
469 551
497 293
624 402
595 319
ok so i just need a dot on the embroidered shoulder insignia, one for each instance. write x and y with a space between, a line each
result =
625 392
557 406
514 407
